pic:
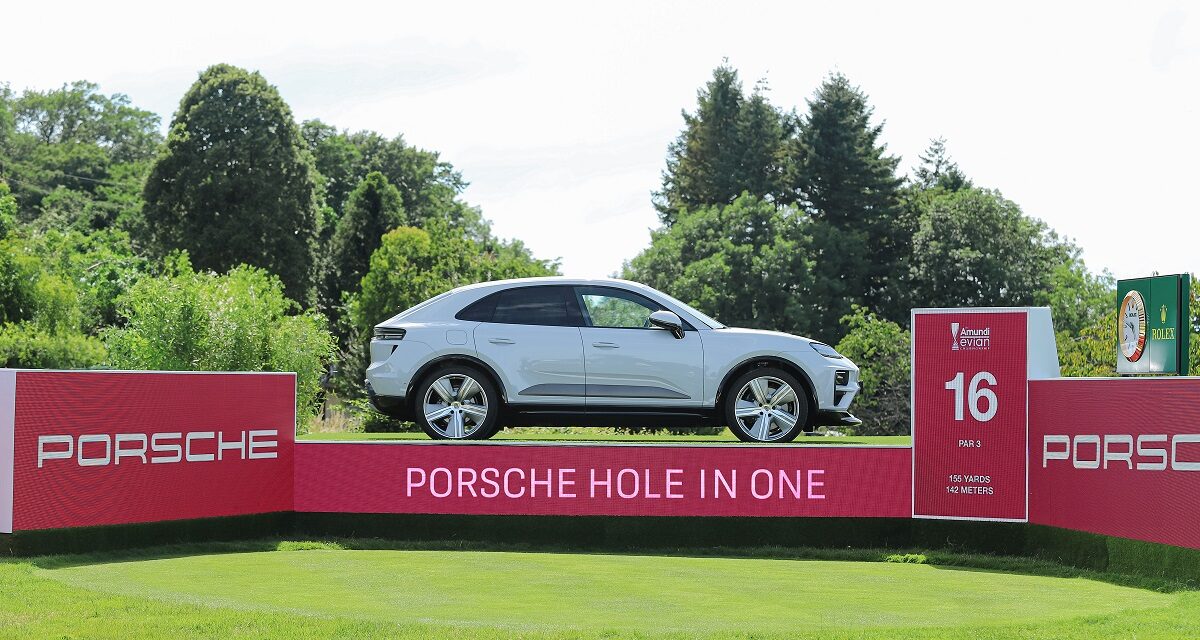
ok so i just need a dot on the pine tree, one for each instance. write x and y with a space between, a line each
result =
842 174
235 182
703 163
732 144
372 209
937 169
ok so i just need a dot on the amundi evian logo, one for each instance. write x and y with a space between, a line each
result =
970 339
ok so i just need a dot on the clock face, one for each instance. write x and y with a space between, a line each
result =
1133 326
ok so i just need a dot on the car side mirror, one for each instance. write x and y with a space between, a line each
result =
669 321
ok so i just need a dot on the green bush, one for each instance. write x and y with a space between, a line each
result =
189 321
881 350
26 345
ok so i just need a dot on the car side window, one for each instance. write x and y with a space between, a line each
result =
611 311
481 310
553 306
617 309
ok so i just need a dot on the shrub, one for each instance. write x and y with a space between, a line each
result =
189 321
372 421
881 350
27 345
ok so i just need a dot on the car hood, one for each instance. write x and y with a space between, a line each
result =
767 339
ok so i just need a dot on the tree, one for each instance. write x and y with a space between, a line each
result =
338 162
429 187
75 138
235 181
881 350
730 145
8 210
974 248
841 173
1077 297
746 264
938 170
372 209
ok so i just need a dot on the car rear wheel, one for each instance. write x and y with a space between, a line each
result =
766 405
457 403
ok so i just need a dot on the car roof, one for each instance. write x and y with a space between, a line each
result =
564 280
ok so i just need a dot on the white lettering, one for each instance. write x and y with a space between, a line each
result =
61 454
121 452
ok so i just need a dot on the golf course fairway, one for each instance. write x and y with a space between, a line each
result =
587 595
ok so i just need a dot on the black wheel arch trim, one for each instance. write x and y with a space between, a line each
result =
470 361
785 364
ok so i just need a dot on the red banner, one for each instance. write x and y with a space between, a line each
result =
1119 457
643 480
96 448
969 399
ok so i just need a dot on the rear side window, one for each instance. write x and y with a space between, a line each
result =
553 306
481 310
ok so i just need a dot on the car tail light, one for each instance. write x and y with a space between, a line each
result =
389 333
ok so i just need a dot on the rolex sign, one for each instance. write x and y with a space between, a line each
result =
1153 316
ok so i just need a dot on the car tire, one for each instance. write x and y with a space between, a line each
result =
457 402
766 394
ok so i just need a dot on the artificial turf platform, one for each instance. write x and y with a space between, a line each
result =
319 590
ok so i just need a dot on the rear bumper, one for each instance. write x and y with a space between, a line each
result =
394 406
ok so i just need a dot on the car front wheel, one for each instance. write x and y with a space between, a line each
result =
766 405
457 403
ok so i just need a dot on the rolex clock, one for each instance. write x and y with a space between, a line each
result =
1132 317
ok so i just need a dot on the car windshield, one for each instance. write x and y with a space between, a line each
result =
710 322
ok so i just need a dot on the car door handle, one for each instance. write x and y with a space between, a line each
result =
500 341
606 345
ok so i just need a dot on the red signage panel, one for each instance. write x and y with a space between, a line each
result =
968 414
642 480
97 448
1118 457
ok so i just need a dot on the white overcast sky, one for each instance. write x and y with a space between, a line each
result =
559 114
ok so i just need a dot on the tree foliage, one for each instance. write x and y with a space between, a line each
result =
881 350
976 248
841 172
235 181
372 209
746 264
79 146
429 187
200 321
730 145
938 171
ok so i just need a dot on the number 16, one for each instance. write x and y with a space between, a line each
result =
976 396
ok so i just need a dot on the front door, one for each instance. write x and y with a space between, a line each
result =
628 362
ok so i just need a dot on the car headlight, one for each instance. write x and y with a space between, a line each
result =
826 350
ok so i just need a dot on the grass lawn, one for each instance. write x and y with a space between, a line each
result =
583 434
321 590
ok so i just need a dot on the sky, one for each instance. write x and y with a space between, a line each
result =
559 114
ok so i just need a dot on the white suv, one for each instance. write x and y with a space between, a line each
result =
564 351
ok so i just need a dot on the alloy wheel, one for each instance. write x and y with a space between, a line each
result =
455 406
767 408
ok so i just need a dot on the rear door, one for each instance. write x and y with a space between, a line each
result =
630 363
532 341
